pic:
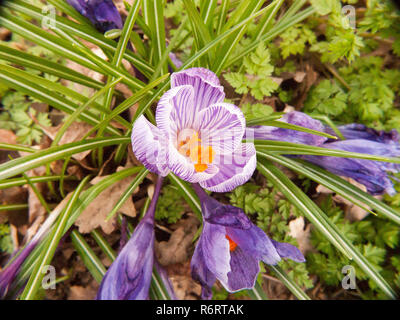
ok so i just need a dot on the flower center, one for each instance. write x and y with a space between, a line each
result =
190 146
232 244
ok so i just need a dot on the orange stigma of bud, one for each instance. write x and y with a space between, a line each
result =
232 244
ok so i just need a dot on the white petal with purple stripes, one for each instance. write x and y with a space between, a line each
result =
149 146
221 126
234 169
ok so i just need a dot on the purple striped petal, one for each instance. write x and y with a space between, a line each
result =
221 126
150 146
215 212
279 134
207 89
370 147
129 276
184 169
175 112
234 169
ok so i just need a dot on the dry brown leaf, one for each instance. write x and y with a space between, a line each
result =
36 209
301 234
352 211
180 245
185 288
7 136
85 71
4 34
83 293
75 132
14 195
299 76
95 214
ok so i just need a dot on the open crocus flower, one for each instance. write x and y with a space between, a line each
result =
129 276
231 247
102 13
198 136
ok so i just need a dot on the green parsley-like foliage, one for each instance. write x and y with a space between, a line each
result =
254 76
373 236
6 244
369 100
170 205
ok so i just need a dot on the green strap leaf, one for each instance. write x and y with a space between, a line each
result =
23 164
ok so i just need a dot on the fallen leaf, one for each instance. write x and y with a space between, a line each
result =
36 208
352 211
95 214
7 136
75 132
180 245
83 293
301 234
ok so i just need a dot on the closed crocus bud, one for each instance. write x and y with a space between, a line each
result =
102 13
231 247
129 276
360 131
8 274
372 174
289 135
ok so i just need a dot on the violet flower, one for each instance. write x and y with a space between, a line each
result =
8 274
288 135
129 276
360 131
198 137
10 271
359 138
231 246
102 13
372 174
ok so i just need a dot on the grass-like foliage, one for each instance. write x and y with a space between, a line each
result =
268 55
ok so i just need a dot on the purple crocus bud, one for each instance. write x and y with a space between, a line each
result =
102 13
165 280
280 134
198 137
360 131
231 246
370 173
8 274
175 60
129 276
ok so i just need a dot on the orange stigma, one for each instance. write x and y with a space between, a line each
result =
201 156
232 244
